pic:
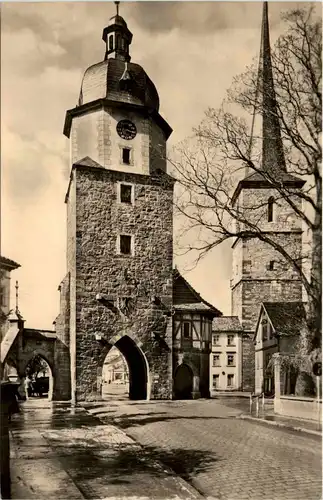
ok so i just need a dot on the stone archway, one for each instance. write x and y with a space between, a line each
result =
137 367
50 372
183 382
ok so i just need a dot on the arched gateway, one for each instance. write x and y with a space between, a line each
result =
138 368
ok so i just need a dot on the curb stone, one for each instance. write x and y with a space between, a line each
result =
184 484
280 424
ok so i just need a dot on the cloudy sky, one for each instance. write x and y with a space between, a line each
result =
191 50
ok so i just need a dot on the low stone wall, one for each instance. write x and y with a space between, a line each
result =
298 407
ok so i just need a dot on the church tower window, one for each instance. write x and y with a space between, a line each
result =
270 209
271 265
111 42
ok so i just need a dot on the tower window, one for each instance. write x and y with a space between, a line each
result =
122 44
125 244
118 41
271 265
111 42
270 209
125 193
126 156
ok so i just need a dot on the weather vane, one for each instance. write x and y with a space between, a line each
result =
117 7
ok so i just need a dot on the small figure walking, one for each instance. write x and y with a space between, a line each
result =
28 387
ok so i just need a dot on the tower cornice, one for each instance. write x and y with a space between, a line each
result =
108 103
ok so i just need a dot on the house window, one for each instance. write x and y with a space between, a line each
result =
216 339
230 380
216 379
270 209
111 42
125 244
126 156
216 359
125 193
186 330
231 359
230 340
270 331
264 328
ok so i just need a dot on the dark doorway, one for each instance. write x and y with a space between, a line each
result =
183 382
136 372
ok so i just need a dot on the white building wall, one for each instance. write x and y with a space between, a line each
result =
222 371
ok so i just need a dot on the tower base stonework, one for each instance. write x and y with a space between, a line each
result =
118 299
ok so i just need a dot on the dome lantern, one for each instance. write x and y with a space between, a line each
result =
117 38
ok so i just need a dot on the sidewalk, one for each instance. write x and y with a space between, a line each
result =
295 424
62 452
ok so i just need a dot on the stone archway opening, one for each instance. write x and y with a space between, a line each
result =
183 382
124 371
38 378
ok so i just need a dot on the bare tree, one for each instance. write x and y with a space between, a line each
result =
224 149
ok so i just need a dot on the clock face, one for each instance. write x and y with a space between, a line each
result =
126 129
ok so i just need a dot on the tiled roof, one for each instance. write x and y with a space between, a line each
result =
191 300
197 306
284 177
87 162
287 318
226 324
257 180
8 263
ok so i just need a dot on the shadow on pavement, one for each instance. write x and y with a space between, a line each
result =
121 464
126 421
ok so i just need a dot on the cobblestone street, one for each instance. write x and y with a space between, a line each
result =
223 457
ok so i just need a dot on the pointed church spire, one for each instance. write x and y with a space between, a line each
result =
273 159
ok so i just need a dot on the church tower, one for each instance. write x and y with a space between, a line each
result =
118 290
260 273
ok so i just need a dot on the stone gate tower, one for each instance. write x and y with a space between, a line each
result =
118 290
260 273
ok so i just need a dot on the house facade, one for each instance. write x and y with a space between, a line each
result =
278 327
226 354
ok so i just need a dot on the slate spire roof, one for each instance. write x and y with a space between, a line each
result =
273 158
273 164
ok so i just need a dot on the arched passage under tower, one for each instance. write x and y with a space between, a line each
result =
38 377
126 366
